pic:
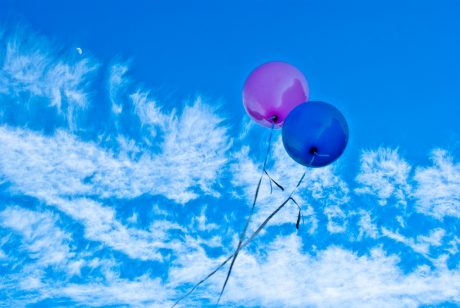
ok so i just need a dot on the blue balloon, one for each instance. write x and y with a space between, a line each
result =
315 134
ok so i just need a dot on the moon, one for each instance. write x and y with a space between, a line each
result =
79 50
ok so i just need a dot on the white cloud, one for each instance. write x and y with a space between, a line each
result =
194 152
366 226
30 287
41 237
384 174
453 247
138 292
116 84
64 165
66 172
192 266
331 277
148 111
422 243
438 187
31 69
133 218
100 224
337 220
201 223
43 166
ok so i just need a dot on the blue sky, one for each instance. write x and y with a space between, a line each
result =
127 171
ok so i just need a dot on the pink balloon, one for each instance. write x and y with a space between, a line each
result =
272 90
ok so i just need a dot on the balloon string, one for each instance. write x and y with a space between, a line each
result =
245 243
298 216
243 234
271 180
268 148
249 240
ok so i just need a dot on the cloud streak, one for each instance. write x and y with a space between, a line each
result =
438 186
34 73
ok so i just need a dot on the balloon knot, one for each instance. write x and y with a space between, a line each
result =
313 150
274 118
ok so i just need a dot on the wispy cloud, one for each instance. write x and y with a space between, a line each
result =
45 242
336 277
367 227
438 186
422 243
34 73
331 277
63 164
101 225
77 175
141 291
143 192
384 174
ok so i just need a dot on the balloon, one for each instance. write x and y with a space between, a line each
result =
315 134
272 90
